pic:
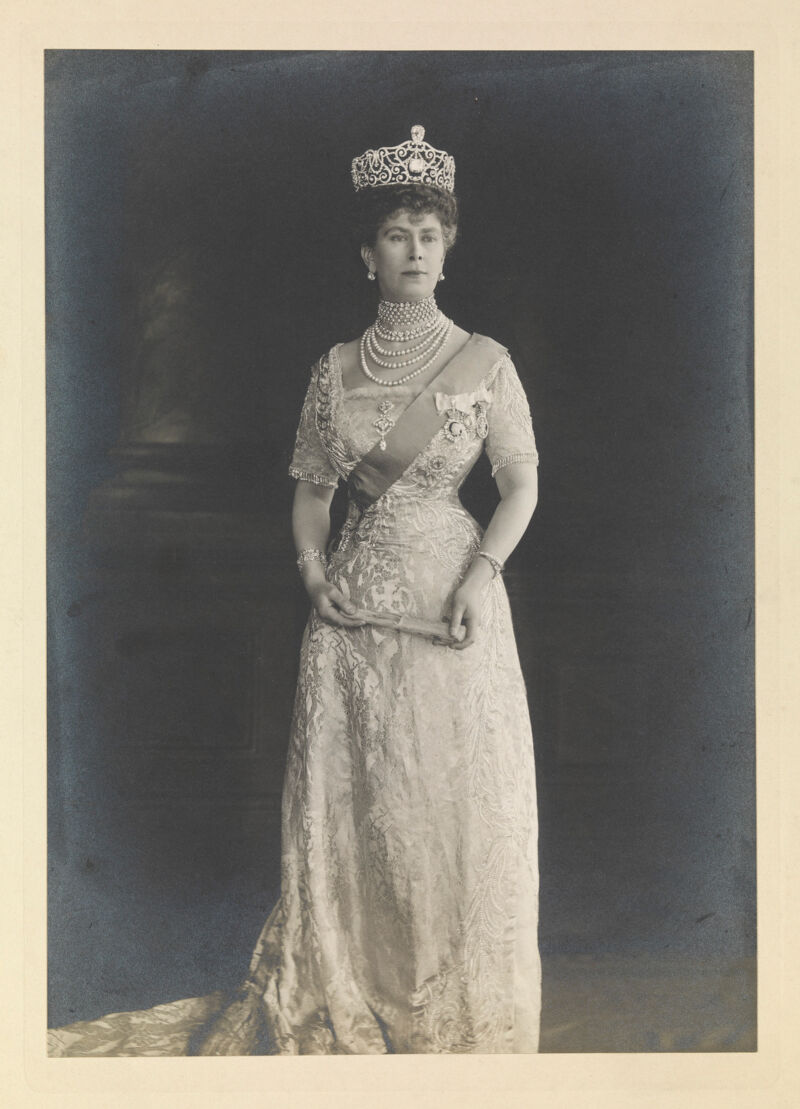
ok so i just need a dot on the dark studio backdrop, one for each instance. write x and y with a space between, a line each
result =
197 264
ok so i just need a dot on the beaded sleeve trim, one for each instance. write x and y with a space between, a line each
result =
509 459
315 479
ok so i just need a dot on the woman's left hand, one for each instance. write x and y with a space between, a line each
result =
466 609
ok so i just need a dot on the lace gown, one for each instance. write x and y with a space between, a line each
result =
408 914
410 878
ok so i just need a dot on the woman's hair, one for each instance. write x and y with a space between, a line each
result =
372 207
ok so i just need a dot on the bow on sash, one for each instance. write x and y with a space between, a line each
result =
379 469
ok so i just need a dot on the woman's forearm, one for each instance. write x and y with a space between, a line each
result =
311 515
311 525
518 490
508 523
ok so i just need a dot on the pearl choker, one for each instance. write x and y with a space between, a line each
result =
409 316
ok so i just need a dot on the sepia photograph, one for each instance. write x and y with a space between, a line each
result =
400 552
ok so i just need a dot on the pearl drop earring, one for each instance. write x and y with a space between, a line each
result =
370 275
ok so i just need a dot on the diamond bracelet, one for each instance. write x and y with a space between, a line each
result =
495 563
310 554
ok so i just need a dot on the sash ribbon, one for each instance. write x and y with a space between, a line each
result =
379 469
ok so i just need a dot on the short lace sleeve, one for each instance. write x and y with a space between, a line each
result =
310 460
510 437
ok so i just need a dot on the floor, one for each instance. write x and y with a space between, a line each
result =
610 1003
665 1002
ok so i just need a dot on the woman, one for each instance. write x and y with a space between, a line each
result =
407 920
408 914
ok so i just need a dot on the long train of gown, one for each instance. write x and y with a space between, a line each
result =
407 920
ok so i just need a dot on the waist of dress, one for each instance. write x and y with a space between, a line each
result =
409 523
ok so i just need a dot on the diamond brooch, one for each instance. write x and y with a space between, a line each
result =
384 422
458 424
463 425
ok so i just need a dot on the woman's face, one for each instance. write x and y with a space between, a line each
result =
408 255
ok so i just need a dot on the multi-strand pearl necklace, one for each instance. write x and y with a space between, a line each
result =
403 321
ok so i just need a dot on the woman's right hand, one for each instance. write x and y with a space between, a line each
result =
332 605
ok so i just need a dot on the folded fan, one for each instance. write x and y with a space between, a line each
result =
414 625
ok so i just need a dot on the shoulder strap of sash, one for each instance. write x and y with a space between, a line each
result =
380 469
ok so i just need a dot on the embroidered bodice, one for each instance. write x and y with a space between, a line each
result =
338 426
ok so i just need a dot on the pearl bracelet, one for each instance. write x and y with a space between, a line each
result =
495 563
310 554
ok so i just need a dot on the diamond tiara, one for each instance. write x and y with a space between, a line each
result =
413 162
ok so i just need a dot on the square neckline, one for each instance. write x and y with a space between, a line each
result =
340 393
